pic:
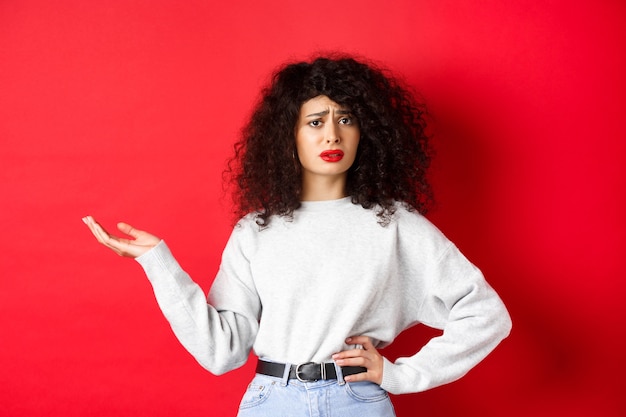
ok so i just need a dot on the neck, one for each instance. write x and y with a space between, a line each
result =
323 189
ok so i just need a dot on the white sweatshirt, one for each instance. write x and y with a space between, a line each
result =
297 289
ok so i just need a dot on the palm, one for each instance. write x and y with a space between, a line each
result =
139 243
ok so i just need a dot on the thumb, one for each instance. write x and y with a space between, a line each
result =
128 230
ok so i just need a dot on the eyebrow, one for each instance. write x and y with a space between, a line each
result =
325 112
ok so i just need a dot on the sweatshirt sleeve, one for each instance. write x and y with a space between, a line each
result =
220 340
458 300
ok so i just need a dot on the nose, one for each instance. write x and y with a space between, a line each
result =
332 134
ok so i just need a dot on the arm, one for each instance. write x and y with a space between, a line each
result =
460 302
218 340
472 316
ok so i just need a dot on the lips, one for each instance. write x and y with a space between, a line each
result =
334 155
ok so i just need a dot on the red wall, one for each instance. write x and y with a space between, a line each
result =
127 110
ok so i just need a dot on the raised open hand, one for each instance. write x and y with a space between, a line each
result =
140 243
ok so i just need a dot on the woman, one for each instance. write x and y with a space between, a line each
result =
332 257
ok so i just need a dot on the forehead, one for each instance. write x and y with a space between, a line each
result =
319 103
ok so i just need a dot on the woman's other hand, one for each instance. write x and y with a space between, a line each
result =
140 243
368 357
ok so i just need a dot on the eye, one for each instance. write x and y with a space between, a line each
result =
315 123
346 121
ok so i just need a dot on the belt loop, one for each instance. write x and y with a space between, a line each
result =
286 372
340 379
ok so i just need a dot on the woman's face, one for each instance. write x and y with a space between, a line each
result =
327 138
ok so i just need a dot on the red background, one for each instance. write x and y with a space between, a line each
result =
127 110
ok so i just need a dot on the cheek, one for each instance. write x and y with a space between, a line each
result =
303 151
299 144
305 145
354 144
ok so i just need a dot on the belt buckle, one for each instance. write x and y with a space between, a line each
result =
322 372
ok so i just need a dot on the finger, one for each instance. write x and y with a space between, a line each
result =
364 341
95 228
102 236
353 361
363 376
351 353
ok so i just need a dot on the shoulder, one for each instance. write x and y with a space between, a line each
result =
407 216
414 229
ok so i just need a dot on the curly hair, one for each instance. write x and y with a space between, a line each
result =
393 155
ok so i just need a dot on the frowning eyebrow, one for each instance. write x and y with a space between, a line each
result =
325 112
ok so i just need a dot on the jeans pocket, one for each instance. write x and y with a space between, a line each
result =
366 391
257 392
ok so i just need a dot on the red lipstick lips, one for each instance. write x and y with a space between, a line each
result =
334 155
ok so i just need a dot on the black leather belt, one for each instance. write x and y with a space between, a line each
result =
306 372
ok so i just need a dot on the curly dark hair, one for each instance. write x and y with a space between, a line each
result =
393 155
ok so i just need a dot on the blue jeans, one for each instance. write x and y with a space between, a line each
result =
268 396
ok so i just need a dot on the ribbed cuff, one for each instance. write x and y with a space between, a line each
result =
158 259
